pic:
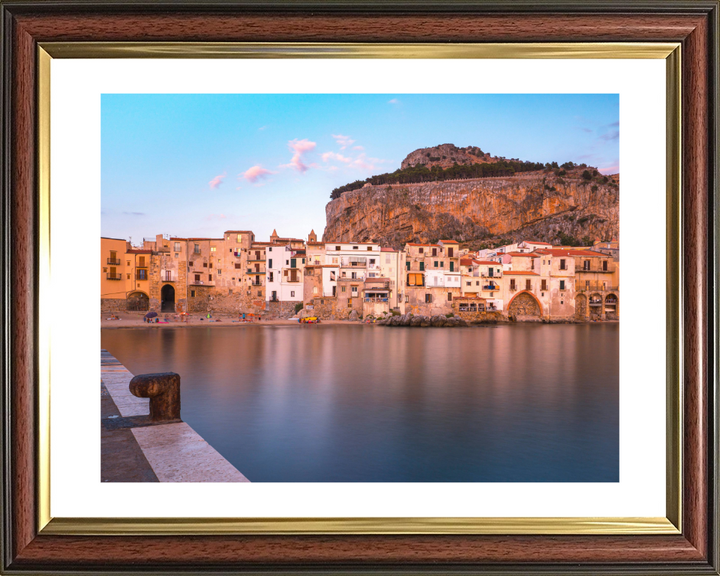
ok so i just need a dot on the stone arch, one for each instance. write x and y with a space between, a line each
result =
138 301
167 298
596 305
581 307
524 304
611 306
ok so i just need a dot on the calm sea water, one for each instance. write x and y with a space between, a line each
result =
335 403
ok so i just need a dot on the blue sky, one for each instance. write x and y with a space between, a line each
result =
200 164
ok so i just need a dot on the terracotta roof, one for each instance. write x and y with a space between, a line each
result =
388 250
522 255
487 262
449 241
423 245
570 252
377 279
520 272
239 231
138 251
537 242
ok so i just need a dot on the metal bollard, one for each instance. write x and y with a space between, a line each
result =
163 389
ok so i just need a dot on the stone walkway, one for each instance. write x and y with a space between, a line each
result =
157 453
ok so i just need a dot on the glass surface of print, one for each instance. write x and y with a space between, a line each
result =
454 319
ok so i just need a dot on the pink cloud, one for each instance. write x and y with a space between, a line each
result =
358 147
343 141
216 217
610 169
300 148
256 173
327 156
215 182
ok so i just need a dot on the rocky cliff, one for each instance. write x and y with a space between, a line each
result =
533 205
445 155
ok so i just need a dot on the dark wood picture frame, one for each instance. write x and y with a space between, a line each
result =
693 23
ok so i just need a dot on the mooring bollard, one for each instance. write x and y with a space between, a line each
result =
163 389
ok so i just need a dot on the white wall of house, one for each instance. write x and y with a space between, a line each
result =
329 280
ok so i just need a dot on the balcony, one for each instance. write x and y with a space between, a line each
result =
114 262
255 283
168 276
376 300
370 285
594 287
609 270
110 276
201 283
255 271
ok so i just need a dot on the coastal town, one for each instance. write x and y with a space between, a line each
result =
240 276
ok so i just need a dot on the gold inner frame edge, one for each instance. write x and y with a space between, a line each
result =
176 526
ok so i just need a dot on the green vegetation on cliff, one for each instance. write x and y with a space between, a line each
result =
422 173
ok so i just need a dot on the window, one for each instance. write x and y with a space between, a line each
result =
219 272
176 254
209 277
212 249
353 275
204 264
343 289
407 265
604 265
259 292
197 248
372 260
442 264
354 290
239 237
428 298
177 246
314 290
562 284
468 283
407 299
113 255
355 248
337 247
197 277
434 253
190 264
349 302
128 276
436 263
421 250
142 274
287 262
452 266
237 265
449 296
562 264
388 259
450 252
477 282
586 264
192 293
543 285
293 263
422 266
369 248
512 283
528 285
292 293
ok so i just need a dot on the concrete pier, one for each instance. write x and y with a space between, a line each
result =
150 453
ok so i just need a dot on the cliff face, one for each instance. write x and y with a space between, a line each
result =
533 205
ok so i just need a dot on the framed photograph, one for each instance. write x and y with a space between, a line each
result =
359 287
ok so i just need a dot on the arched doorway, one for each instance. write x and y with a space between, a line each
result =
138 302
581 308
167 298
595 306
524 304
611 307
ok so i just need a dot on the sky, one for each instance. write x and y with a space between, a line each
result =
196 165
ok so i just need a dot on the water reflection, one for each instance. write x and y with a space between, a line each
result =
366 403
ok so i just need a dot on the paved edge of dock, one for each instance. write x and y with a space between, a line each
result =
161 453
